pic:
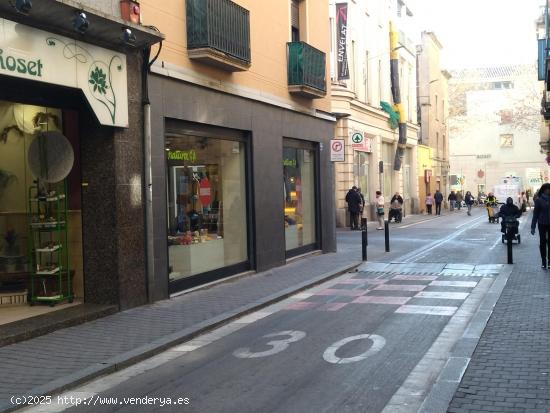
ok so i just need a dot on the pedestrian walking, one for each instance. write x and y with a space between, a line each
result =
380 209
523 202
429 203
459 199
354 207
528 196
469 199
541 217
452 200
438 198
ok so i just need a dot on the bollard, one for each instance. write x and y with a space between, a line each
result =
364 242
509 247
387 234
364 223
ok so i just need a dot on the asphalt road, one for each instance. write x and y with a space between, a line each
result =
345 346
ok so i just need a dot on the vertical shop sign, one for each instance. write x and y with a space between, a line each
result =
342 39
205 192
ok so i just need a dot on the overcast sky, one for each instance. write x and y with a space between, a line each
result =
480 33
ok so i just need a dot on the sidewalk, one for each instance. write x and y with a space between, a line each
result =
67 357
510 368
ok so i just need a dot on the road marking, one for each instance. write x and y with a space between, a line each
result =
416 223
428 310
341 293
375 299
443 295
332 306
301 305
276 345
415 277
465 284
399 287
499 239
378 343
252 318
469 222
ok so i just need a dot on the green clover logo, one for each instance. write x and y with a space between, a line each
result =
99 79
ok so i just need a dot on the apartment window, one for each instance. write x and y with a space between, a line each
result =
388 155
437 143
506 140
353 65
502 85
443 110
436 107
367 78
295 20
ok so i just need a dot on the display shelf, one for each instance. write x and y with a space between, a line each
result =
48 241
48 199
49 250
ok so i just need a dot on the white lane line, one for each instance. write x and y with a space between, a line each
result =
443 295
499 239
428 310
417 223
464 284
468 222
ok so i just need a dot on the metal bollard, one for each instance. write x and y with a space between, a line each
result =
364 242
509 248
387 234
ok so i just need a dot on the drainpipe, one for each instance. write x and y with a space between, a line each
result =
148 174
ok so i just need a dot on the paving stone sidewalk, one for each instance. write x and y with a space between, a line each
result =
510 368
53 361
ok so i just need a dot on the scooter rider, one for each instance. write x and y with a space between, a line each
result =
508 210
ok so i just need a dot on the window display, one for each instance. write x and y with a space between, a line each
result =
207 204
299 193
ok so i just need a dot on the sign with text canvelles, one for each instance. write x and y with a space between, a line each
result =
342 40
101 74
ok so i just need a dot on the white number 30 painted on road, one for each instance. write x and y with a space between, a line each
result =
378 342
276 345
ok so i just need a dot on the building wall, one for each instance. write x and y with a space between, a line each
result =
434 109
477 151
266 79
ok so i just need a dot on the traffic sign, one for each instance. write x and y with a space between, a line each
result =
337 150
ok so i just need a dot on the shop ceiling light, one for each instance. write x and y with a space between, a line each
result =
23 6
128 36
81 23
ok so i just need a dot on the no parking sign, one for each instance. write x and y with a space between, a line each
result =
337 150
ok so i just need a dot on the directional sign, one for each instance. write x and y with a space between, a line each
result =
337 150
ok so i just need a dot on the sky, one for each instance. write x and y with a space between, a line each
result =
481 33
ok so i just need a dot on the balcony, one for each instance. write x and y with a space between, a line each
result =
218 34
306 71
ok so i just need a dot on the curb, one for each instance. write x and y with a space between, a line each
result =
136 355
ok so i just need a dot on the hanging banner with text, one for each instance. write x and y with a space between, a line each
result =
29 53
342 39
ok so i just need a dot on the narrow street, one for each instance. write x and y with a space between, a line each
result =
348 345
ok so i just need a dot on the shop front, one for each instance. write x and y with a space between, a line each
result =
238 185
70 174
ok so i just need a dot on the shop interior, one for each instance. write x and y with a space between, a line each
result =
41 267
206 204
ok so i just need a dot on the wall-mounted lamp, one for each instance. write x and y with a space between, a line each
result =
81 23
128 36
23 6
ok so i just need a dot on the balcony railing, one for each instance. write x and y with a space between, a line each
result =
306 70
218 33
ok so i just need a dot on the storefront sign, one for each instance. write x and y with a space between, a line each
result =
290 162
342 39
360 142
101 74
181 156
205 192
337 150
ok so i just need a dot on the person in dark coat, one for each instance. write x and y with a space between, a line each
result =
508 210
469 199
354 207
438 198
541 217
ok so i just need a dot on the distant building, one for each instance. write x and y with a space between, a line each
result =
494 128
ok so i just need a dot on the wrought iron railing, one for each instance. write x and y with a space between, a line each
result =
219 24
306 66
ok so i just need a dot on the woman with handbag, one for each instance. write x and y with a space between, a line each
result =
380 210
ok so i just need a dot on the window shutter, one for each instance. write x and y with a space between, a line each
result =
295 14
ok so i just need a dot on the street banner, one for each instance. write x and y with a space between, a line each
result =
342 39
